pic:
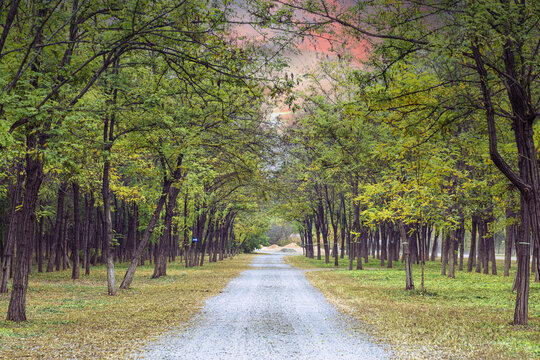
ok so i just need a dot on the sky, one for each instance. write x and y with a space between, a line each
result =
310 51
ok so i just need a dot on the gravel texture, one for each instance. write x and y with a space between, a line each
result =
268 312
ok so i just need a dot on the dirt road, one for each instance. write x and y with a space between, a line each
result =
268 312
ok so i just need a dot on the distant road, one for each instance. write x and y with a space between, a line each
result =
268 312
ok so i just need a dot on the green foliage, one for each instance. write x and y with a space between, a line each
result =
254 242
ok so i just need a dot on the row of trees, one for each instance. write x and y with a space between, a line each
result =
433 137
130 130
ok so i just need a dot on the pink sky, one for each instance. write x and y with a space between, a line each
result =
314 49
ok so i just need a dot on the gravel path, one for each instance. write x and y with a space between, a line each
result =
268 312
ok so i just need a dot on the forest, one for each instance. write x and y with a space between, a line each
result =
138 132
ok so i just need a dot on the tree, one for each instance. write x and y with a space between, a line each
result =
490 48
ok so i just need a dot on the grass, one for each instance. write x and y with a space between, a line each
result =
78 320
468 317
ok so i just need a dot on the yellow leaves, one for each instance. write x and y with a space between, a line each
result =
129 193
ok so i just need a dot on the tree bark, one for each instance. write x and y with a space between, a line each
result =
492 250
318 234
334 219
309 237
11 238
435 246
358 257
54 256
509 240
409 283
521 313
461 242
422 256
90 226
485 257
481 243
108 238
323 225
528 182
40 246
160 266
391 245
383 243
34 177
76 232
451 244
444 252
472 250
130 273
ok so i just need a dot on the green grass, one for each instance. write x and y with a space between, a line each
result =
467 317
78 320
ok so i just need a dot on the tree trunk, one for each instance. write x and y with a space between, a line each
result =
303 241
422 255
485 257
409 283
309 237
318 234
481 243
40 246
534 264
90 230
435 246
451 244
343 219
351 255
334 219
521 312
356 223
128 277
461 242
335 249
472 251
391 241
383 243
324 230
64 252
63 244
76 232
428 242
108 238
207 236
492 252
54 256
108 139
34 177
358 257
160 266
365 244
14 224
377 243
186 231
131 242
528 182
444 252
509 240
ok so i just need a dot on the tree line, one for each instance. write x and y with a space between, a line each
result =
432 136
131 132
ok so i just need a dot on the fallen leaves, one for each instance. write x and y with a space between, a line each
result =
77 319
